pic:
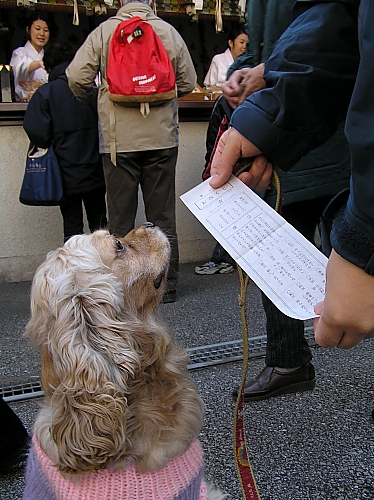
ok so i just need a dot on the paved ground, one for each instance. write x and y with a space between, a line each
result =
316 445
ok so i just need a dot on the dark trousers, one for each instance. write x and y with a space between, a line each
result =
154 172
221 255
286 344
72 211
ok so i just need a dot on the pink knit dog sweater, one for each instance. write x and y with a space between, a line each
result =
180 479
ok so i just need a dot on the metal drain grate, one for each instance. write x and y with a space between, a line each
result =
208 355
19 388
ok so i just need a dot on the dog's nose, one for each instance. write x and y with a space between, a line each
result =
148 224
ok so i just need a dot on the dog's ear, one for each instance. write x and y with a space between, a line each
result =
81 320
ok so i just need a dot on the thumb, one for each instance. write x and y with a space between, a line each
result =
225 157
318 308
220 177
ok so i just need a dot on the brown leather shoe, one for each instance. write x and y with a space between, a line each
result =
269 383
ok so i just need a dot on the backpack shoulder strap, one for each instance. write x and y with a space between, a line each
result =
123 16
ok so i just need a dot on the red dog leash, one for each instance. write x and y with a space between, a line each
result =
243 466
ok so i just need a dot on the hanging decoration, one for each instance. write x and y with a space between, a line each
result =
193 8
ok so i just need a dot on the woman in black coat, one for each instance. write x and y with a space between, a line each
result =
56 117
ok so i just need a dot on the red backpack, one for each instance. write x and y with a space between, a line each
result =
139 68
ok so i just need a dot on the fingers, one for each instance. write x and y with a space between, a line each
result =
242 97
230 94
231 146
254 80
242 83
233 83
326 335
350 340
233 88
223 161
318 308
259 175
233 101
329 335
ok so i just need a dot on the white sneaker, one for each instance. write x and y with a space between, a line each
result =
213 268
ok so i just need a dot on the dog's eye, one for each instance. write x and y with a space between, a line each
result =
158 280
119 246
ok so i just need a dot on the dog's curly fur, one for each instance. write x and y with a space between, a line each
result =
116 386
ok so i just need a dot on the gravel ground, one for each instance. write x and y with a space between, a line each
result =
314 445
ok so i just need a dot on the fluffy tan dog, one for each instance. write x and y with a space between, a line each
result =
119 401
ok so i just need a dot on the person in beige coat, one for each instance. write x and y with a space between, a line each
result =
146 148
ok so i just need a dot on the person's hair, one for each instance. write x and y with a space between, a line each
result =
57 53
38 15
147 2
236 30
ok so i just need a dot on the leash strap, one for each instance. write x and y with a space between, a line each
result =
112 133
243 466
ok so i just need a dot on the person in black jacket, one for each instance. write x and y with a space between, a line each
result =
307 188
320 71
55 116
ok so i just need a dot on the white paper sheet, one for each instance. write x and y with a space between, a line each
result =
284 265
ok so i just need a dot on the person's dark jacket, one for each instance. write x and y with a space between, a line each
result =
266 21
315 75
324 171
55 116
307 61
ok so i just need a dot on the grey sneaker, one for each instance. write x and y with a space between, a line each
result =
213 268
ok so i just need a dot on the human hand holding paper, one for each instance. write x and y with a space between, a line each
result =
231 147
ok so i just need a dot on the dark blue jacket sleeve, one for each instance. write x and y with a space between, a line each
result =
314 76
353 231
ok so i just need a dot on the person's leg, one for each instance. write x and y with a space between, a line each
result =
71 209
287 360
288 355
220 263
158 188
14 439
122 182
222 255
286 345
95 206
305 215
